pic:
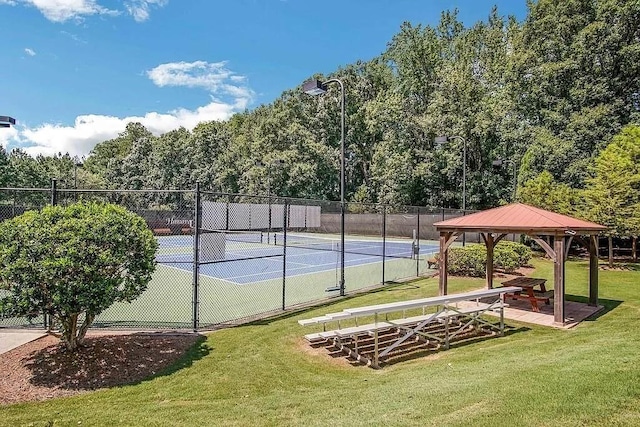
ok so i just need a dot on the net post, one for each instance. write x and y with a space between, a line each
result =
196 258
284 254
269 225
384 240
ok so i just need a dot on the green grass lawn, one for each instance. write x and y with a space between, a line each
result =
262 374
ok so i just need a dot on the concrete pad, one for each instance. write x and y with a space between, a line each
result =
12 338
521 311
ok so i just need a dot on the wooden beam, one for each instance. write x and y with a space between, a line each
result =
544 245
593 270
443 262
489 244
558 280
567 246
451 237
497 239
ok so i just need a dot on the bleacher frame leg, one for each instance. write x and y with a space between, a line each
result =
375 350
446 333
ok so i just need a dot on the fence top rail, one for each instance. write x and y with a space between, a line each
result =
92 190
25 189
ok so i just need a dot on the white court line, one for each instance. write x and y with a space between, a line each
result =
188 272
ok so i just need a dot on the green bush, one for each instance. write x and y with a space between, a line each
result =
467 261
505 258
74 262
471 260
523 251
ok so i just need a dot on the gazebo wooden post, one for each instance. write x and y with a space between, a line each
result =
593 270
442 264
558 279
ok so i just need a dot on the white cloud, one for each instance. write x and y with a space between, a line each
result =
88 130
64 10
139 9
8 134
80 138
73 37
212 76
29 52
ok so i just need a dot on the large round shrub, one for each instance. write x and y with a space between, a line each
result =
74 262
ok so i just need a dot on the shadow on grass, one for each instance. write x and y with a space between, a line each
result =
608 304
420 350
464 342
114 360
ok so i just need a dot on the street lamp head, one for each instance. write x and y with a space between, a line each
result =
314 87
440 140
6 121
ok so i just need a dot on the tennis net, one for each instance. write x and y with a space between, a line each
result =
371 247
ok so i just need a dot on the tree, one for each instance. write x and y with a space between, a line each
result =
545 193
613 194
74 262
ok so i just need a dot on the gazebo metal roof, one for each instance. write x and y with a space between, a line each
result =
521 218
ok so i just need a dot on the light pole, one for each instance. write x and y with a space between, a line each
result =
441 140
316 87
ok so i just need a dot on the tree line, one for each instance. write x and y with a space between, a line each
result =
543 98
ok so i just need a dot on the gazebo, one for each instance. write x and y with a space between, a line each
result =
517 218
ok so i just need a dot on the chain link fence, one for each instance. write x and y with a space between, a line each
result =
226 258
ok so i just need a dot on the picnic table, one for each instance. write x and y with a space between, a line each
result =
529 292
433 326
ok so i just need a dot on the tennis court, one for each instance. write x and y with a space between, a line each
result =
255 257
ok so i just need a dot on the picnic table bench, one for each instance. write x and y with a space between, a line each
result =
528 285
412 327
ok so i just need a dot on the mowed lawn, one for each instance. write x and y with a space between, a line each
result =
264 374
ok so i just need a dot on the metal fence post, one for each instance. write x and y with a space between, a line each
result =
417 243
384 239
196 259
46 317
284 253
54 192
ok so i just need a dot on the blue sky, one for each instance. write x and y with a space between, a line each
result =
74 72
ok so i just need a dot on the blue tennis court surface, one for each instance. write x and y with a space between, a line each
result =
249 262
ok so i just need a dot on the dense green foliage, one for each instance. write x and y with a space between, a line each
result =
546 95
265 374
74 262
471 260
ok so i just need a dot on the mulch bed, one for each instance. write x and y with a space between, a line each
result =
44 369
